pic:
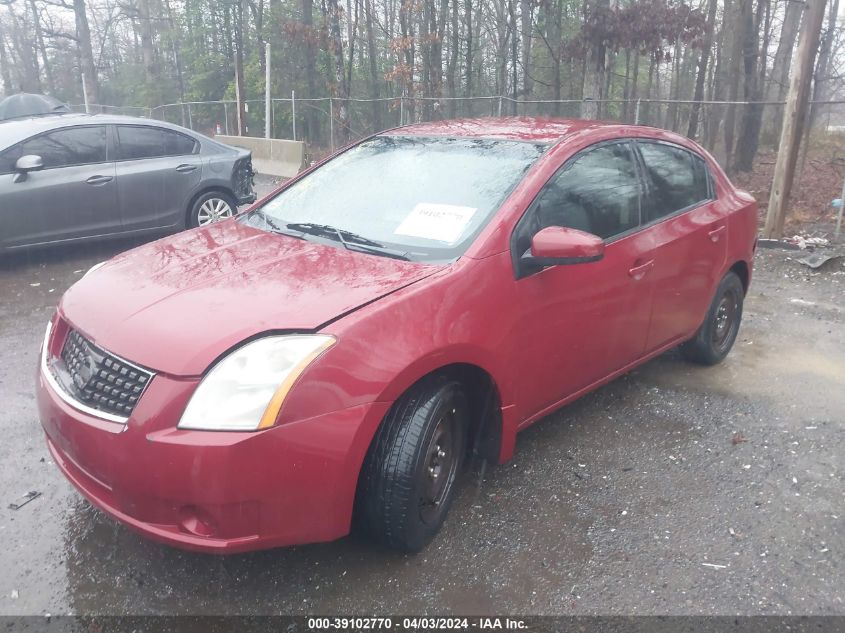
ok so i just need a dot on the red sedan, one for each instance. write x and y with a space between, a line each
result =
341 348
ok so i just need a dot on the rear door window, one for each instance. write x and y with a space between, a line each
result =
60 148
679 179
136 142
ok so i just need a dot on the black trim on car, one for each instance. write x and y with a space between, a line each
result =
117 159
522 268
711 190
519 265
62 129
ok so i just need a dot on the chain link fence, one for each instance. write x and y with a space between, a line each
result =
327 123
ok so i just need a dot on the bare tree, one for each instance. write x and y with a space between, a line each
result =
779 78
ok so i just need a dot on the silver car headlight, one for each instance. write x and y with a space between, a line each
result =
245 390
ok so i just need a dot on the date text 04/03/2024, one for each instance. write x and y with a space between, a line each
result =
416 623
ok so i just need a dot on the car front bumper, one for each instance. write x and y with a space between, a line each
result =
218 492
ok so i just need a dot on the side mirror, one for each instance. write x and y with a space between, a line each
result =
557 245
26 164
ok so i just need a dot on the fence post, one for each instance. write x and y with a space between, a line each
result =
331 124
637 113
293 111
268 123
226 117
500 106
85 95
401 110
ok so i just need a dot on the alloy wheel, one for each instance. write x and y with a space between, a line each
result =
213 210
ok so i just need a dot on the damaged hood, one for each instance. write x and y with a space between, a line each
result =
177 304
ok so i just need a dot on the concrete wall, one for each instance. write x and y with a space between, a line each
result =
271 156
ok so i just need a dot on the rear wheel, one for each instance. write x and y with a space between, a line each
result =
408 478
211 207
717 334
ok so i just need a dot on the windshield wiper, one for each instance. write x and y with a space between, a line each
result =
275 228
350 240
332 232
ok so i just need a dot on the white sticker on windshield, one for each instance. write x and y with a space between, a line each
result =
441 222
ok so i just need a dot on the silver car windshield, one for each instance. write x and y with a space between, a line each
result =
423 199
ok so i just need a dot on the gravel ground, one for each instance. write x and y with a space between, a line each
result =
674 490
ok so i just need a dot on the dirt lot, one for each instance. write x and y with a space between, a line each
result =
676 489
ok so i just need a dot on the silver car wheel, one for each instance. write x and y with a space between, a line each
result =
213 210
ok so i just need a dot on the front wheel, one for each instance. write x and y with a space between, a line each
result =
408 478
211 207
717 334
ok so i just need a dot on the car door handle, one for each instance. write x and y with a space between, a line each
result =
186 169
99 180
716 233
639 271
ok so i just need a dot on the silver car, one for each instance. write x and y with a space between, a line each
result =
74 177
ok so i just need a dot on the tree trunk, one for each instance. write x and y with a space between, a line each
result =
674 89
439 29
634 91
706 51
752 117
29 77
173 36
152 88
820 78
341 87
626 87
452 67
406 30
372 58
503 34
735 38
5 71
39 39
310 66
779 81
469 56
594 71
426 37
242 125
556 51
719 80
796 107
86 53
526 14
353 30
648 90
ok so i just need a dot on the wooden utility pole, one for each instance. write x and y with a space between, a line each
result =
239 68
793 118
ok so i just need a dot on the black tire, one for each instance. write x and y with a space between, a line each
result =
717 334
402 502
205 202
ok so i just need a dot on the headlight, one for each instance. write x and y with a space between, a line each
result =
245 390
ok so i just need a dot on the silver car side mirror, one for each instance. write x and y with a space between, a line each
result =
26 164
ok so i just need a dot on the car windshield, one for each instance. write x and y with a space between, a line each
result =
422 199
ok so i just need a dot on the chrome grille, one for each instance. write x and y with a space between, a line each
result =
101 380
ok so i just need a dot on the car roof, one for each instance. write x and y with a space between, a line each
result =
15 130
533 129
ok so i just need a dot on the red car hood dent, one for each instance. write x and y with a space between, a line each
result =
177 304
